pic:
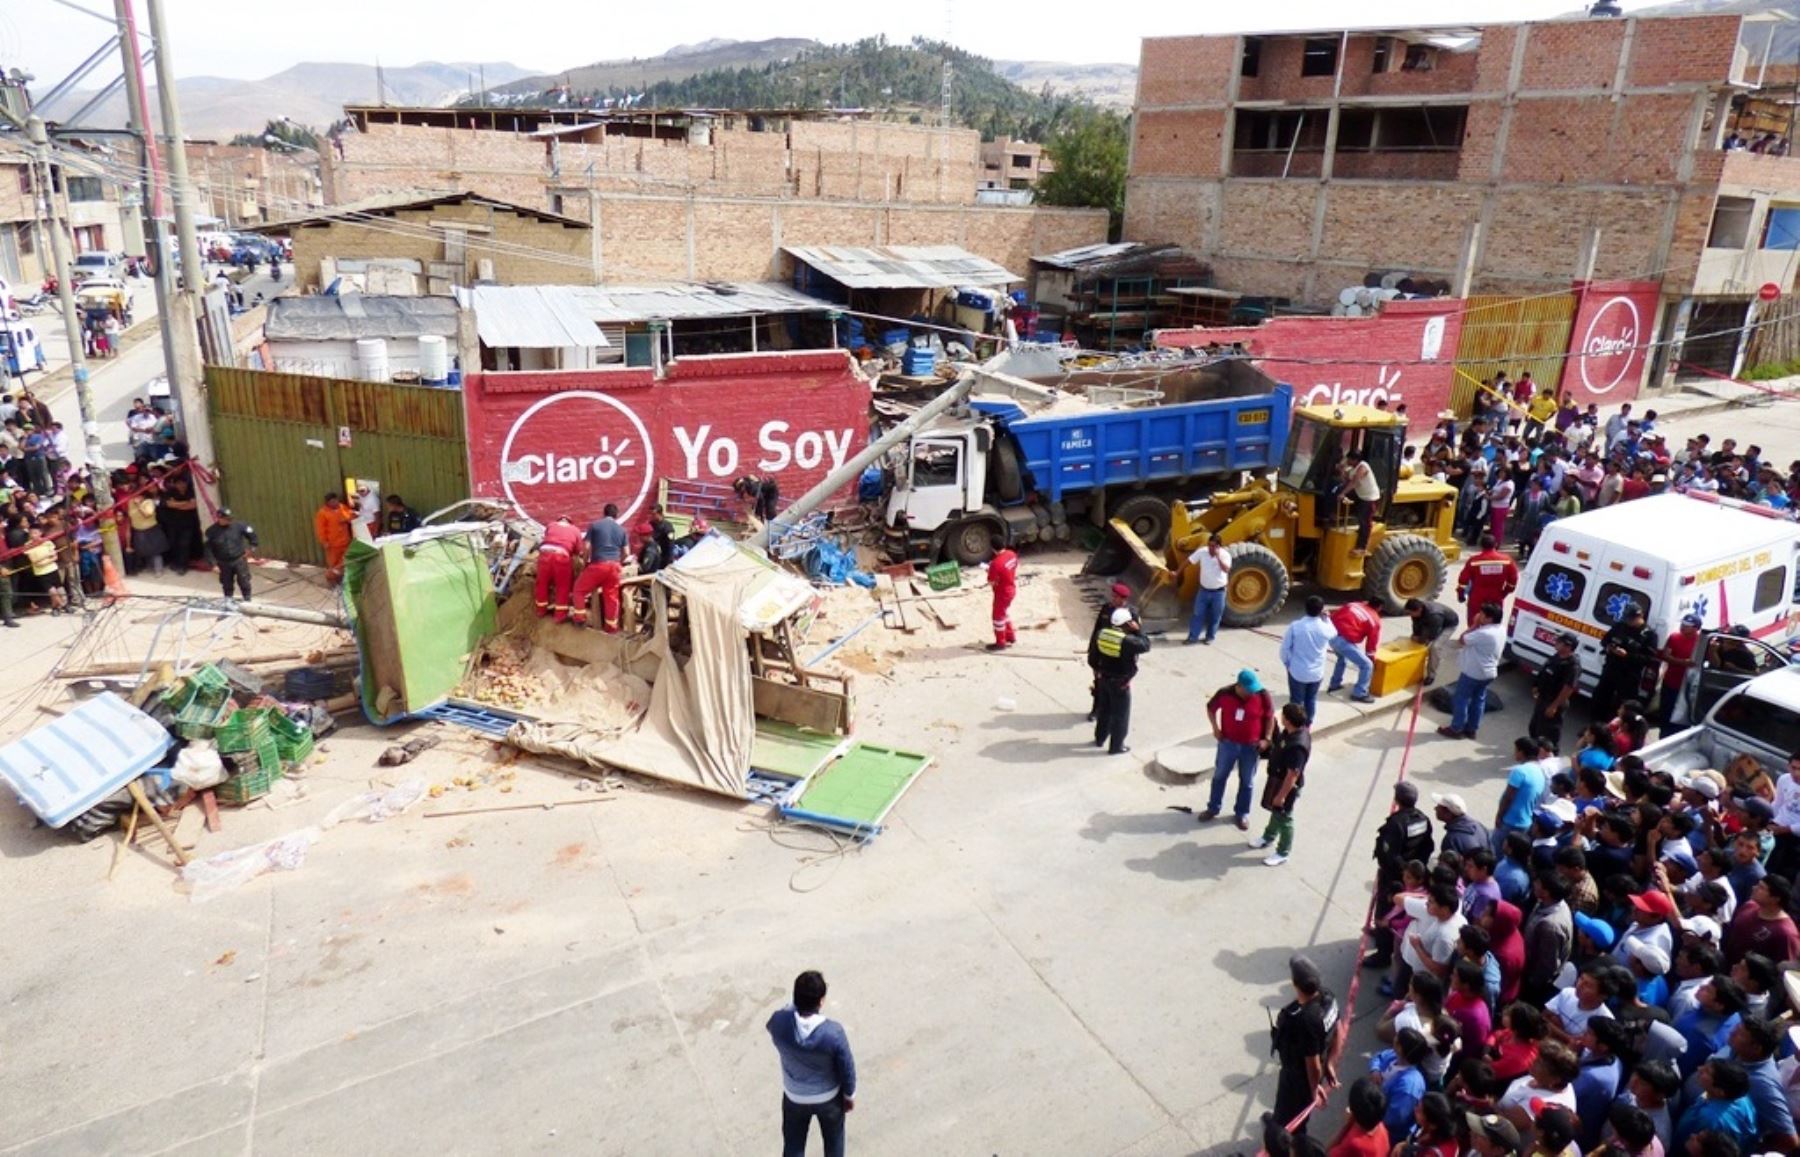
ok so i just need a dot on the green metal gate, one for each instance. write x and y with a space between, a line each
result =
1515 334
285 440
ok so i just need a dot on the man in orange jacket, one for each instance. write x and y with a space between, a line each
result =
1487 577
332 527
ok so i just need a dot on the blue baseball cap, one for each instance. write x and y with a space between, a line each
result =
1248 680
1597 930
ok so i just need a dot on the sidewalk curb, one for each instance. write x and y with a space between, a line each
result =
1395 705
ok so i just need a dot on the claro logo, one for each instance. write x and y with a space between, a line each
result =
1385 389
1608 345
569 446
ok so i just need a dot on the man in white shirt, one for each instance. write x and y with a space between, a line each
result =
1785 858
1477 661
1362 487
1570 1010
1431 940
1304 647
1213 562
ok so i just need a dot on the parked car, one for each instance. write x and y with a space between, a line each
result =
1745 696
97 264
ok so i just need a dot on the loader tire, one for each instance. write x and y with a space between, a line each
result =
1148 518
1257 586
1404 566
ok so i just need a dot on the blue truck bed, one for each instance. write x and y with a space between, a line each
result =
1076 452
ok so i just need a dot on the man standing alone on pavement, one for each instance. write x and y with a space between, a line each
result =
606 545
1287 775
1118 596
1003 578
1213 564
228 544
1119 646
818 1072
331 526
1477 664
1358 625
1304 646
1243 720
1305 1040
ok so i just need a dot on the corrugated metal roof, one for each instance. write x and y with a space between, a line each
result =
615 304
386 204
330 317
902 266
534 317
66 767
1083 254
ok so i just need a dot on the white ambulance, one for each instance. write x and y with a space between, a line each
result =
1729 562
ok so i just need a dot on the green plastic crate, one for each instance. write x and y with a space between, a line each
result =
245 730
944 576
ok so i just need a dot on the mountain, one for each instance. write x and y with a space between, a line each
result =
217 108
679 63
1111 86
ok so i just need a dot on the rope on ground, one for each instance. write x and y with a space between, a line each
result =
1347 1015
783 836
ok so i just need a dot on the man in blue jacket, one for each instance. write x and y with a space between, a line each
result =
818 1074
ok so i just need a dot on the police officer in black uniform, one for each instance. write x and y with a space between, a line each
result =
1118 596
1119 646
1404 836
1305 1043
1628 651
1551 689
228 542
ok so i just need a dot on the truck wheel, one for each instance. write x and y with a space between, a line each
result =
971 543
1148 518
1257 588
1009 476
1404 566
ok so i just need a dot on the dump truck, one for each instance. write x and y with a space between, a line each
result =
1030 468
1294 526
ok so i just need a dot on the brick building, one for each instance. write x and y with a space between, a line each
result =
87 197
1510 158
704 195
245 185
1010 164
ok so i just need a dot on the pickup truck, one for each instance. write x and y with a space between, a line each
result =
999 469
1746 695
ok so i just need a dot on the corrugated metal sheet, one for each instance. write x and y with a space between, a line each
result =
1515 334
277 441
620 304
353 315
67 766
902 266
1083 254
533 317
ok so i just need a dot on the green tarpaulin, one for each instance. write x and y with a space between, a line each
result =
421 606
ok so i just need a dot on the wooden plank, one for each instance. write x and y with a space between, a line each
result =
924 604
890 600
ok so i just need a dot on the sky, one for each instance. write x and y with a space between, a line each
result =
211 37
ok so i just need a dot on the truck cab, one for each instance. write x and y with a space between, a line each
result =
944 477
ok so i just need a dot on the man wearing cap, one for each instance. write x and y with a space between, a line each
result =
1491 1135
1463 834
228 544
1651 913
1551 689
1628 652
1243 723
1358 625
1119 645
1213 564
1677 655
1118 596
1305 1043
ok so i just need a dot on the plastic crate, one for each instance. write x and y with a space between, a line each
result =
245 730
295 750
251 782
943 576
209 676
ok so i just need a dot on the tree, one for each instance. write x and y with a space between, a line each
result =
279 133
1090 150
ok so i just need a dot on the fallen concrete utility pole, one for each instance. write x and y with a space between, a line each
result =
852 470
290 614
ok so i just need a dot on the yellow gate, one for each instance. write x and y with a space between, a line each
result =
1515 334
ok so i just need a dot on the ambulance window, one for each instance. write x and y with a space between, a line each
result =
1771 588
1560 587
1610 604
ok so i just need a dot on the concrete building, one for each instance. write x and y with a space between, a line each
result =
87 196
1010 164
1509 158
441 241
244 185
705 195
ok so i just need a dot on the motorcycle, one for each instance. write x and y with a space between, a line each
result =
34 305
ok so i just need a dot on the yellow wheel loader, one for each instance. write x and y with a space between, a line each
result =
1299 525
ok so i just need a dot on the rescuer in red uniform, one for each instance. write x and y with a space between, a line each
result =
1487 577
1003 577
556 569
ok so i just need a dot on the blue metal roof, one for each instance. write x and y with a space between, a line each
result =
64 768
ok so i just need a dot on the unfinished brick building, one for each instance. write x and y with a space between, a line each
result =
1510 158
704 196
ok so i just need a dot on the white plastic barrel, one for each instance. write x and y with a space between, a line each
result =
434 359
371 359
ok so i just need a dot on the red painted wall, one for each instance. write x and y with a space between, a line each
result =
567 443
1405 354
1609 342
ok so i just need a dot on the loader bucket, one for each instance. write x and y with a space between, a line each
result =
1155 588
